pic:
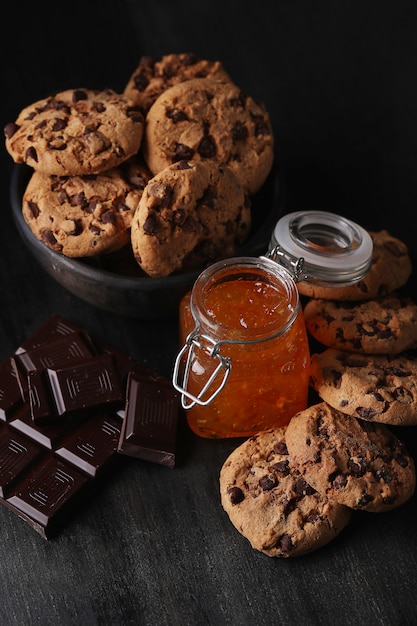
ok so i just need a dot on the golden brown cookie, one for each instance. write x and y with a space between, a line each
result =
204 119
390 270
190 214
377 388
386 325
361 465
271 504
151 77
83 216
76 132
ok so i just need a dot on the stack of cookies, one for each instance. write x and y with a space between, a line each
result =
367 368
291 490
167 168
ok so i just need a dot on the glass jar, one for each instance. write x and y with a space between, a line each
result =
246 355
245 361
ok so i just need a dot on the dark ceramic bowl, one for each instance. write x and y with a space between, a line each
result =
125 290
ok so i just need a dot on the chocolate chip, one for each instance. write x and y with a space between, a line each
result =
338 481
207 148
33 208
184 165
262 128
77 229
402 395
141 81
289 506
122 207
337 378
401 459
282 468
189 59
313 516
238 101
281 448
108 217
384 474
96 142
365 499
78 199
58 143
93 228
179 217
98 107
183 152
236 495
208 198
10 129
176 115
396 371
79 94
135 114
31 154
302 488
357 466
285 543
59 124
365 413
49 239
239 132
151 225
267 482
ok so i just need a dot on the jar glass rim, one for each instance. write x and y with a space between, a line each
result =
238 268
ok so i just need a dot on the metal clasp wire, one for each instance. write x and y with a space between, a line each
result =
193 342
297 266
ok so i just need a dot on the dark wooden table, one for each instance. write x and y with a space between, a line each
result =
154 546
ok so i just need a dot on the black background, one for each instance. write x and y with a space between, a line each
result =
154 547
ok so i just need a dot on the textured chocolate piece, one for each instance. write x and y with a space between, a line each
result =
64 350
92 444
89 383
44 496
16 453
150 421
54 327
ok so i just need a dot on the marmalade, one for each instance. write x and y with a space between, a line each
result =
249 310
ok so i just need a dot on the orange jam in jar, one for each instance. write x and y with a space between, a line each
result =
244 364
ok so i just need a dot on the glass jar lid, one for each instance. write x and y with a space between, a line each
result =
321 248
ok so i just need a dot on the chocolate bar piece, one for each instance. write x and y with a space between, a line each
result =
16 453
150 420
64 350
92 444
54 327
46 494
89 383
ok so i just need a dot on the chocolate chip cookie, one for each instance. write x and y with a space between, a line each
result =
271 504
358 464
376 388
386 325
190 214
151 77
76 132
390 269
83 216
205 119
